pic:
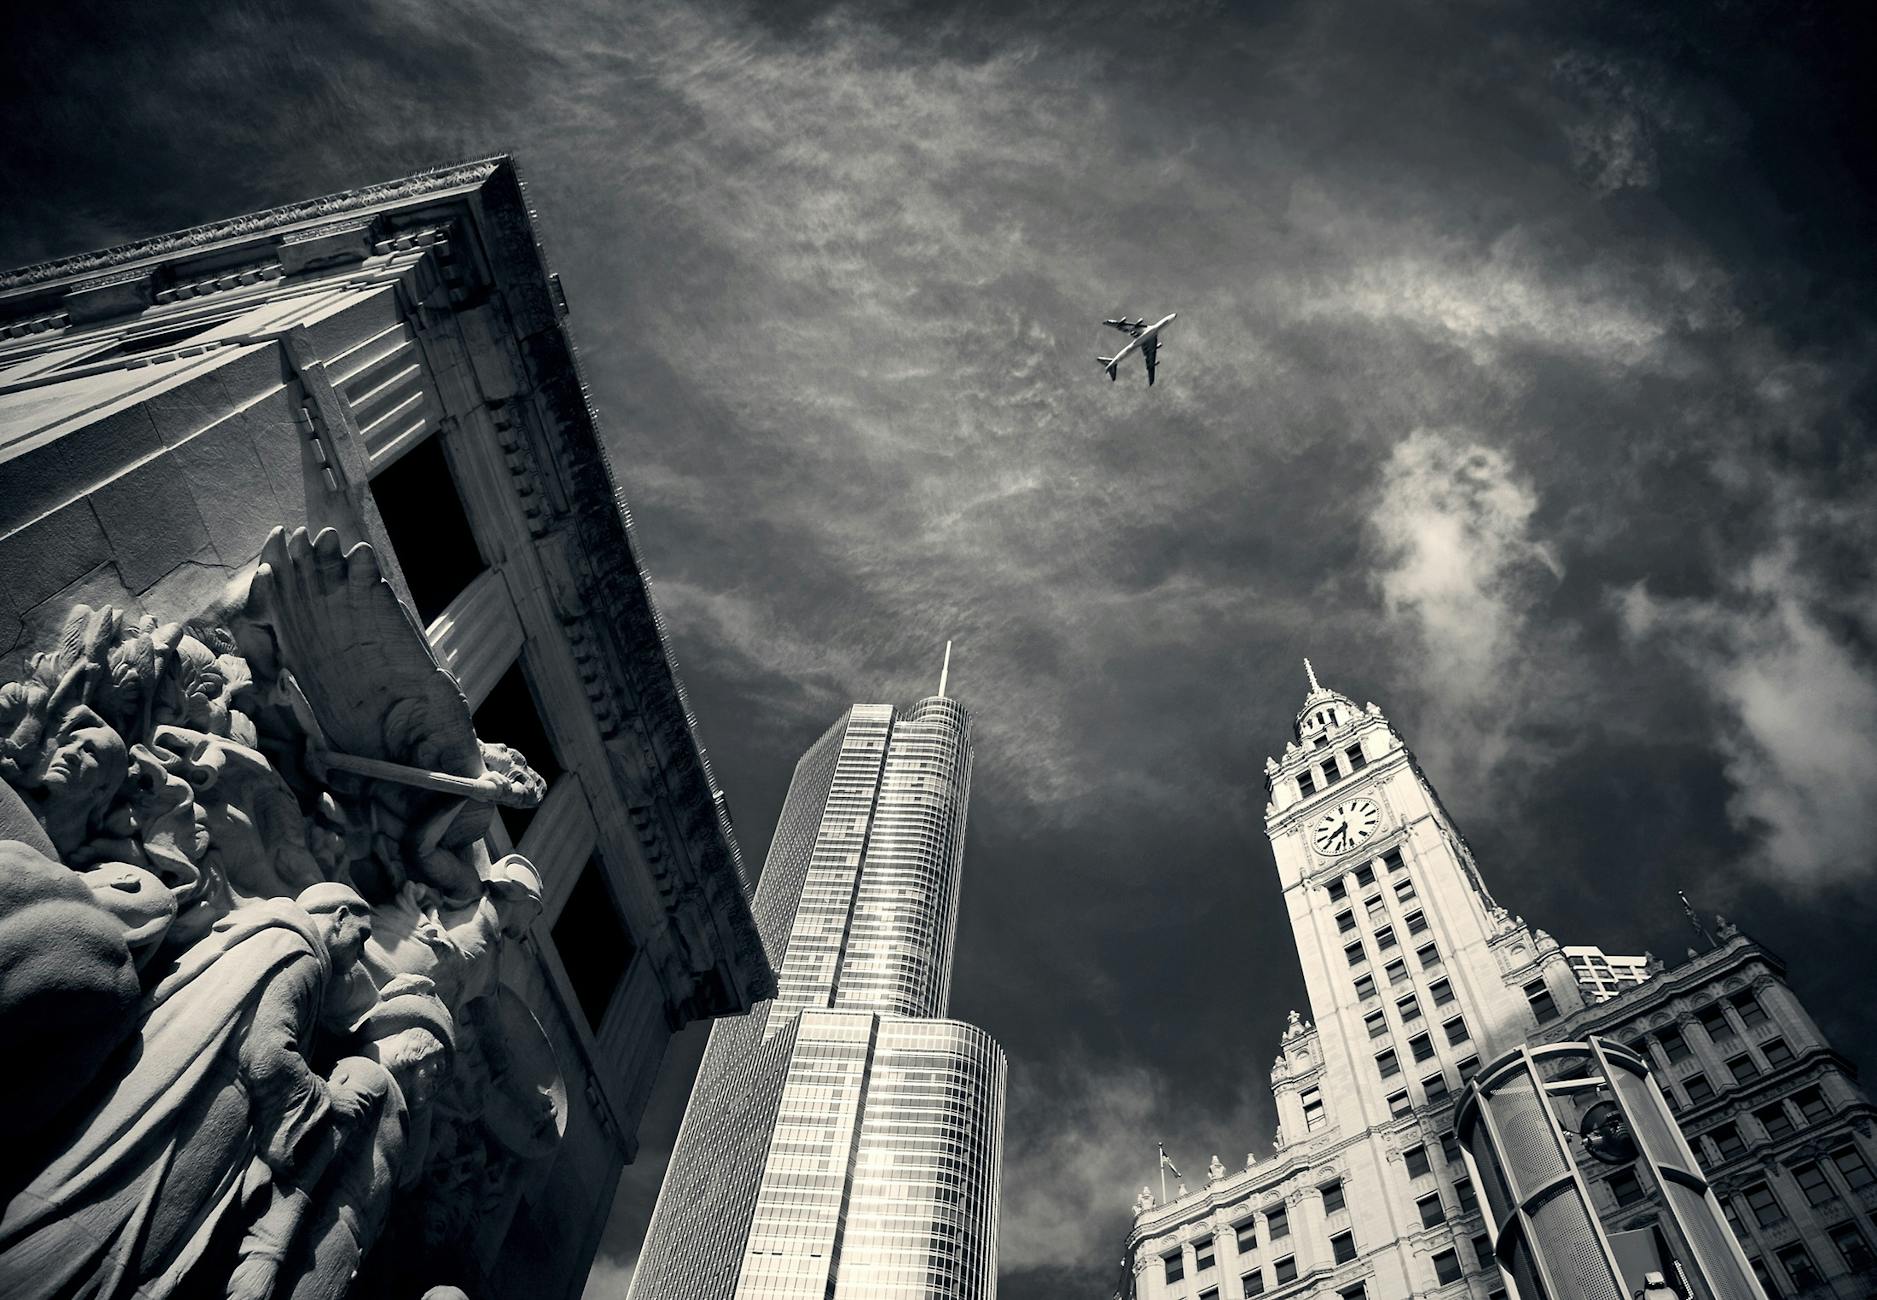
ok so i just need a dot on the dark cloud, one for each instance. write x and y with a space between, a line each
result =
1523 378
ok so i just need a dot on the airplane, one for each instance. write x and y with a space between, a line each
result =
1141 335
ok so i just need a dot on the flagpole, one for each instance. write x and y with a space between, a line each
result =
1163 1171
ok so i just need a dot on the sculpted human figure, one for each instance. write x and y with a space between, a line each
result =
315 1226
136 1184
458 948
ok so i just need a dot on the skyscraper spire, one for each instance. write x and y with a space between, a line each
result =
945 672
1311 673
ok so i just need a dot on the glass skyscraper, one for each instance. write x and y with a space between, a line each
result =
845 1140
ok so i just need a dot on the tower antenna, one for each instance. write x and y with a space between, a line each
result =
945 672
1311 673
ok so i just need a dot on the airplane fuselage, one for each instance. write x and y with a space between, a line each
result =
1143 338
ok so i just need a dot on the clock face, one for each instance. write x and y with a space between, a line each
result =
1345 826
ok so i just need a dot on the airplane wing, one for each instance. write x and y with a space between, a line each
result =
1150 350
1126 326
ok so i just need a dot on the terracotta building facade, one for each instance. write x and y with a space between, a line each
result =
1415 974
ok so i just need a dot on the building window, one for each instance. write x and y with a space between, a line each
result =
1365 876
1391 860
1253 1283
1442 992
1398 1103
1276 1223
1174 1267
1544 1007
1397 971
1429 955
1856 1173
1727 1141
1742 1068
1365 987
1456 1031
1247 1236
1626 1186
1748 1008
1482 1250
1674 1045
1798 1266
1447 1266
1714 1020
1377 912
1450 1149
1202 1257
1432 1215
1775 1121
1765 1276
1435 1088
1404 891
1385 938
1377 1023
1417 923
1312 1109
1812 1181
1698 1087
1285 1270
1812 1105
1211 1293
1332 1197
1765 1206
1851 1244
1330 775
1346 922
1422 1046
1343 1247
1356 760
1338 891
429 530
1355 954
1360 1291
1776 1052
1466 1068
1305 786
594 945
1463 1193
1386 1064
1408 1008
1418 1165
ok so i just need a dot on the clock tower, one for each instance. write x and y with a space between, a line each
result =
1414 973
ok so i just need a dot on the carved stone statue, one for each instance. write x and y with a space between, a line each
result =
138 1184
315 1227
1145 1201
1216 1170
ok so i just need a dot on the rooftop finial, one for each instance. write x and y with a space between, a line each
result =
1311 673
945 672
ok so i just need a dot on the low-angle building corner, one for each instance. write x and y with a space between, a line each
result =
326 622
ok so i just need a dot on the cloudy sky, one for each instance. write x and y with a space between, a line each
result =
1523 379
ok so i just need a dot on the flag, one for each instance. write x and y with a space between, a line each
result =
1166 1162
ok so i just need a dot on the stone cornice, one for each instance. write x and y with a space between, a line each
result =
451 178
620 616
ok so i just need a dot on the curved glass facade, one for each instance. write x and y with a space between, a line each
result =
842 1141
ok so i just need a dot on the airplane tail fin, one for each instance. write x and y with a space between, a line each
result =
1109 362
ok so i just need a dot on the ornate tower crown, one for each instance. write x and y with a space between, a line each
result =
1323 710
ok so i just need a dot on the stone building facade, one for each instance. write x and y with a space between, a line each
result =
338 456
1414 975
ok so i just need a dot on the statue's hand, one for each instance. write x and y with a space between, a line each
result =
349 1102
253 1278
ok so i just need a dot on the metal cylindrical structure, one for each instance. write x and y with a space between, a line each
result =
1534 1122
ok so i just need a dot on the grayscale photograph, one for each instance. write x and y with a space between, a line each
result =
723 650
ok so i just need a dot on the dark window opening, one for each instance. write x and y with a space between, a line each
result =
594 945
1447 1266
1343 1247
423 513
1626 1186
